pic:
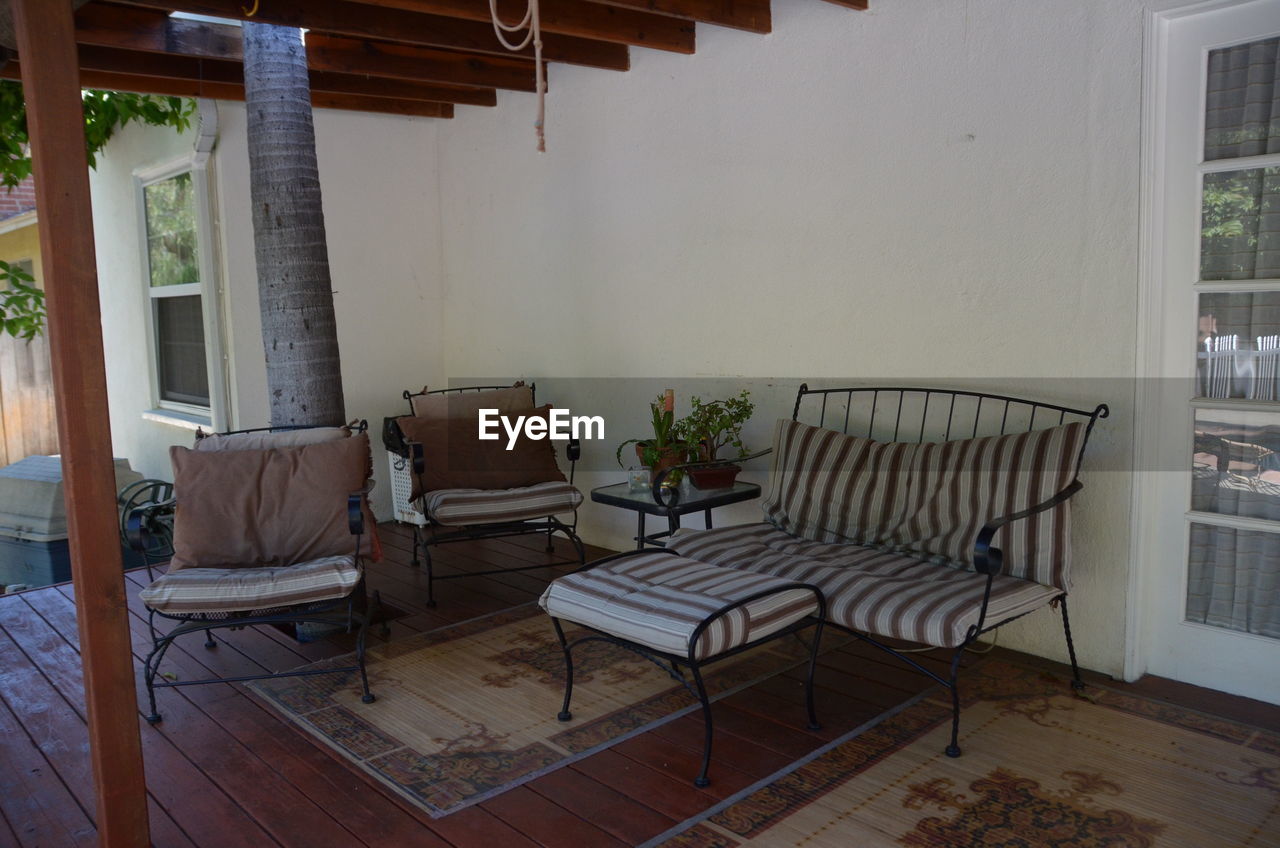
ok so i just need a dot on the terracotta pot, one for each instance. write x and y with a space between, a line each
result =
667 457
715 477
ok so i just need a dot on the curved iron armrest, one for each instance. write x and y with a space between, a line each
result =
990 561
703 625
658 488
140 521
355 511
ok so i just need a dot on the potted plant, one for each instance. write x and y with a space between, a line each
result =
666 448
710 427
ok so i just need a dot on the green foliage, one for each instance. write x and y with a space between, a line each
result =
104 113
1234 207
172 246
22 312
665 434
716 424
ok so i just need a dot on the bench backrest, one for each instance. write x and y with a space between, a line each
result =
889 486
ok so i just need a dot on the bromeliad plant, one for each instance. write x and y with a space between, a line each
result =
22 312
666 439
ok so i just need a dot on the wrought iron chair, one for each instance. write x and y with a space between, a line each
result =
292 589
473 513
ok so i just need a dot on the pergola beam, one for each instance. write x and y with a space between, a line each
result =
403 61
567 17
749 15
145 25
55 119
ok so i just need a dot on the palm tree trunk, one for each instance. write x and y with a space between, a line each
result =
295 293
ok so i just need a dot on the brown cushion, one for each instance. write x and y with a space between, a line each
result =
517 398
256 508
456 457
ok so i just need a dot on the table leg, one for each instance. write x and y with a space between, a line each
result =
708 519
640 531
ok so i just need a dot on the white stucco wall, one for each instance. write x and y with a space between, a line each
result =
932 191
381 211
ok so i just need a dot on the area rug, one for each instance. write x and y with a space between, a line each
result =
1040 768
469 711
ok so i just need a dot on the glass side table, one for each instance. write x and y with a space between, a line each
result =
691 500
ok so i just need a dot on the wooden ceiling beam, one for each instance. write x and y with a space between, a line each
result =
566 17
222 71
401 61
180 87
749 15
340 17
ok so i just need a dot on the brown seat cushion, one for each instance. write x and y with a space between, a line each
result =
456 457
256 508
515 399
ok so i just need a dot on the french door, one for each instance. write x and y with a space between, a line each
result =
1211 597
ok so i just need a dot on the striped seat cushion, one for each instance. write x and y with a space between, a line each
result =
932 499
225 590
658 600
870 590
462 507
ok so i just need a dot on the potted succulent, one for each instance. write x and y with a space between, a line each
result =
710 427
666 448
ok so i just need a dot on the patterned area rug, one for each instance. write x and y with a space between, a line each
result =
1040 768
469 711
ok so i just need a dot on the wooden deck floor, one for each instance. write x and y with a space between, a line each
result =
225 770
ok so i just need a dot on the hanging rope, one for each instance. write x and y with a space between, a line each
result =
531 20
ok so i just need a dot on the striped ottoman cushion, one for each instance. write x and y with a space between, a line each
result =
658 600
870 590
462 507
224 590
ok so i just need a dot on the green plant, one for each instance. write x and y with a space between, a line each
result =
22 312
716 424
104 113
666 433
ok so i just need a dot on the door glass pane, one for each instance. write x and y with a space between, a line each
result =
1238 345
1240 225
1236 466
171 231
1242 109
1234 579
184 377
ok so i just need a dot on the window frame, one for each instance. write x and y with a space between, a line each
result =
216 414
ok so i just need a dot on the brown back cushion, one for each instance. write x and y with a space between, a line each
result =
517 398
252 508
456 457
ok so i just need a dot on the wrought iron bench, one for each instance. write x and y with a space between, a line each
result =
928 542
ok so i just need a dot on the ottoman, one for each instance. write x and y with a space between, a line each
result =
685 612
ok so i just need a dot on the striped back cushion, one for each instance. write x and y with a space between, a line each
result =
957 487
830 487
928 499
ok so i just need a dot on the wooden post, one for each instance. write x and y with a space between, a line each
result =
51 82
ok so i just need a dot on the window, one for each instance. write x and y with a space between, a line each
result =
181 299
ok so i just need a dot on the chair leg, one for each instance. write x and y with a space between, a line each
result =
1076 683
551 547
370 609
808 681
702 779
564 714
208 639
150 668
953 750
415 562
431 595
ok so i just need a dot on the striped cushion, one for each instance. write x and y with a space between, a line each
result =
461 507
956 487
827 486
870 590
658 600
223 590
929 500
